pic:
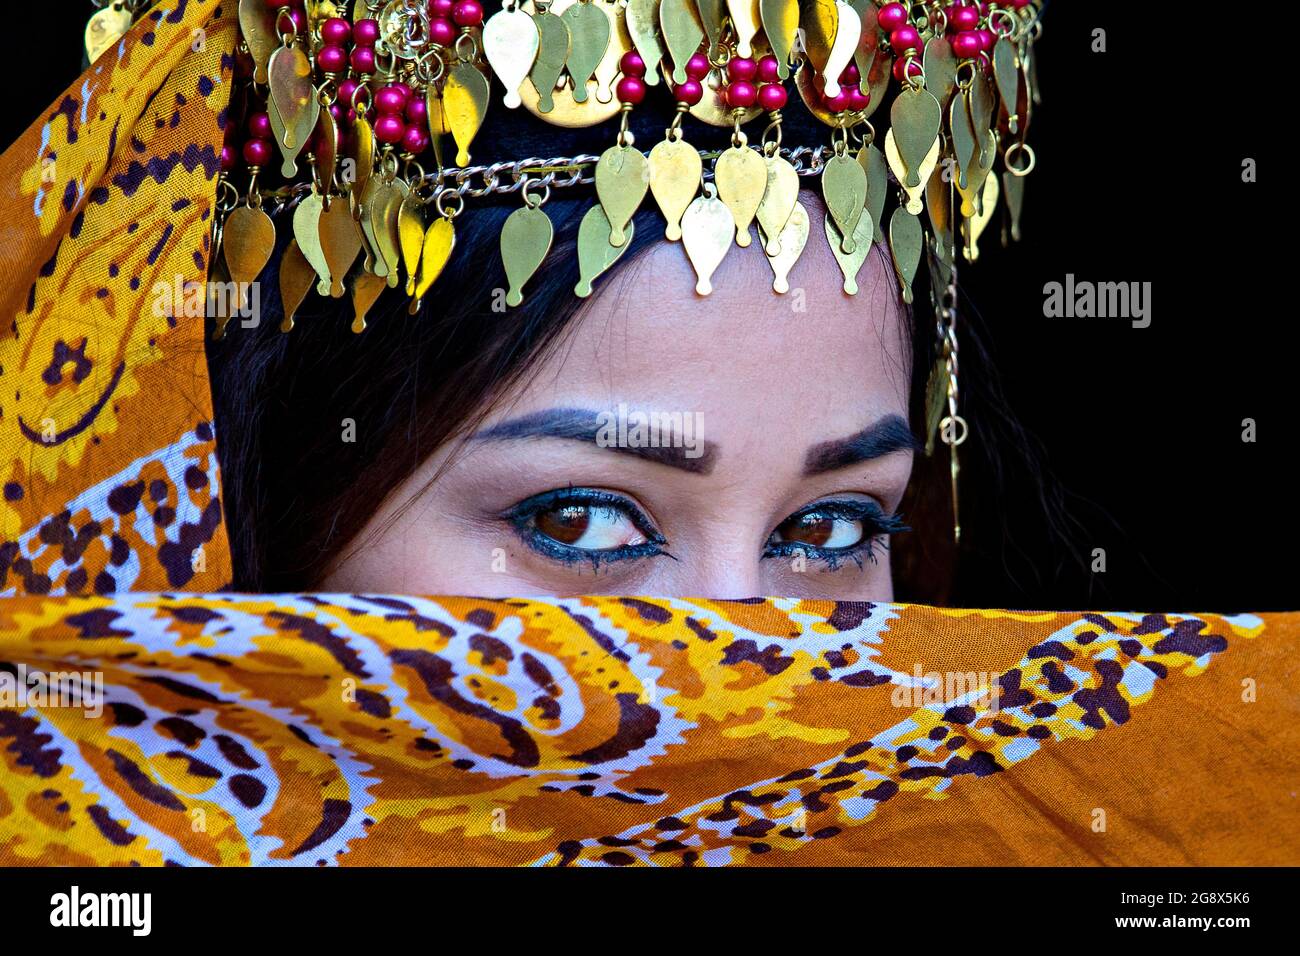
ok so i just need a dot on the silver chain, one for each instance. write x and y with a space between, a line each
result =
476 182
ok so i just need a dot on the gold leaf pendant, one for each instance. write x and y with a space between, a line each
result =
296 279
905 241
914 122
850 262
848 30
675 169
642 18
682 31
589 38
781 24
595 254
510 43
552 52
741 176
844 186
306 234
439 242
525 240
340 241
622 178
465 102
707 231
789 244
779 201
295 105
248 243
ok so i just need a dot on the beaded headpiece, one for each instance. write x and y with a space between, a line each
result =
354 124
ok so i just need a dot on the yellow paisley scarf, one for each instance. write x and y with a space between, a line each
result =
194 727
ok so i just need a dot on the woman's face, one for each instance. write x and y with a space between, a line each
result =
735 445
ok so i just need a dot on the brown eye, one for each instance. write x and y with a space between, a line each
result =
566 524
819 530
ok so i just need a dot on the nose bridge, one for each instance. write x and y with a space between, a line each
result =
728 566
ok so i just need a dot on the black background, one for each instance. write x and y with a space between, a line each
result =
1139 179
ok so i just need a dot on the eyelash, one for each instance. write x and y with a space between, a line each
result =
877 527
522 514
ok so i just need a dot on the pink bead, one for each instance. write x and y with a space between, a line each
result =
965 45
904 39
741 69
405 90
892 16
963 18
631 64
332 59
365 32
227 158
336 111
772 96
415 140
441 8
904 68
741 95
389 101
631 89
389 129
697 67
837 103
257 152
299 20
259 126
467 13
768 69
851 74
363 59
690 92
442 32
347 89
336 31
858 101
1019 4
417 110
987 39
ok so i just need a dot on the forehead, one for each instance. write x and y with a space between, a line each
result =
814 354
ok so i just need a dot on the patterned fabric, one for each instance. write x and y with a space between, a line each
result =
332 729
107 456
209 728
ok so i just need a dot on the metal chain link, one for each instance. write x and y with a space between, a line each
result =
504 178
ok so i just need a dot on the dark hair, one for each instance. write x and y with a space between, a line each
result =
295 495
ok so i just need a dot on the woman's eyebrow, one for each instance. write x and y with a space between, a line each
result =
880 438
675 442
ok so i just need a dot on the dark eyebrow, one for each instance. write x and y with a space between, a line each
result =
880 438
581 424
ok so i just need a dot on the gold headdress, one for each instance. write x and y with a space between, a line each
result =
354 123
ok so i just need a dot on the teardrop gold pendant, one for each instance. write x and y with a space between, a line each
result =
465 101
905 242
525 240
850 262
340 241
595 254
707 230
622 179
741 176
510 43
844 186
248 243
789 247
779 201
306 234
296 279
675 170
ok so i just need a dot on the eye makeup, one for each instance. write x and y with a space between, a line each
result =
834 531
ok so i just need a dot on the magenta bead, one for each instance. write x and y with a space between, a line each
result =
336 31
365 32
441 8
904 39
690 92
904 68
741 95
850 74
415 140
769 69
467 13
961 19
390 101
417 110
772 96
257 152
697 67
227 158
837 103
631 64
389 129
442 32
891 17
332 59
986 38
347 89
965 45
858 101
299 20
741 69
363 59
631 89
405 90
259 126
